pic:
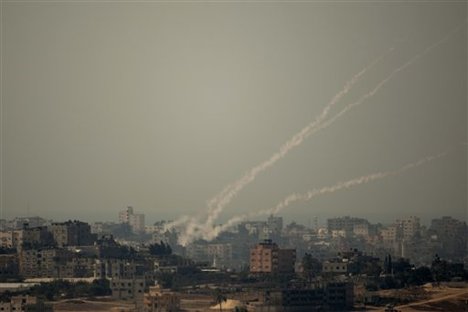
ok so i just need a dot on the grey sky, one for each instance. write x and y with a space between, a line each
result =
160 105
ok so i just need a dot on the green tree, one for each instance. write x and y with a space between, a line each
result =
219 298
311 266
160 249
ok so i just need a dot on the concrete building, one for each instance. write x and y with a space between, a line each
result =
128 278
9 266
332 296
410 227
125 214
274 227
361 229
391 234
135 220
39 262
216 254
335 266
17 303
160 300
339 296
128 288
448 227
20 222
346 224
36 236
117 268
452 235
6 239
267 257
72 233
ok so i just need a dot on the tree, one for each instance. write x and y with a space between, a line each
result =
311 266
100 287
388 264
420 276
371 268
160 249
219 298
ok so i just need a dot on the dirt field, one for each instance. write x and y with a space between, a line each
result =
438 299
92 306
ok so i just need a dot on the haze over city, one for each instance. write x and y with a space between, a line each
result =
161 105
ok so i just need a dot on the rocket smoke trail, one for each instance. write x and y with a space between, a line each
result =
288 200
216 205
218 202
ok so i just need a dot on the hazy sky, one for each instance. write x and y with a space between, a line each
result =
160 105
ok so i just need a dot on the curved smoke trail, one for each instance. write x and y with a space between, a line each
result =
195 230
288 200
218 202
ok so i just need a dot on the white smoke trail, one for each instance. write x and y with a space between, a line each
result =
288 200
174 224
217 203
312 130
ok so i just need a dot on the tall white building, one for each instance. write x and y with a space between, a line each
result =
135 220
124 215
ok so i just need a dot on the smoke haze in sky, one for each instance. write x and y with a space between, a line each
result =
160 105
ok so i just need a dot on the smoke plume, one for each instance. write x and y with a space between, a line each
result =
196 229
223 198
288 200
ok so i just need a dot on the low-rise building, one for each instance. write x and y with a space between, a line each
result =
17 303
161 300
217 254
72 233
8 266
128 288
267 257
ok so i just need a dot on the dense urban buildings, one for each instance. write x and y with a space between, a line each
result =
305 269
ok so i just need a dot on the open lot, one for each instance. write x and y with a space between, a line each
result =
444 298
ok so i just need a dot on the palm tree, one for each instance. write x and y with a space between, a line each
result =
219 298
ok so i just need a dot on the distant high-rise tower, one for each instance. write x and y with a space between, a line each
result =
135 220
124 215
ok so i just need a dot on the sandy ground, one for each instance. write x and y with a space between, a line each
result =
92 306
439 299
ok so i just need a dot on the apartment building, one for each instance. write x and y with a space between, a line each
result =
267 257
161 300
